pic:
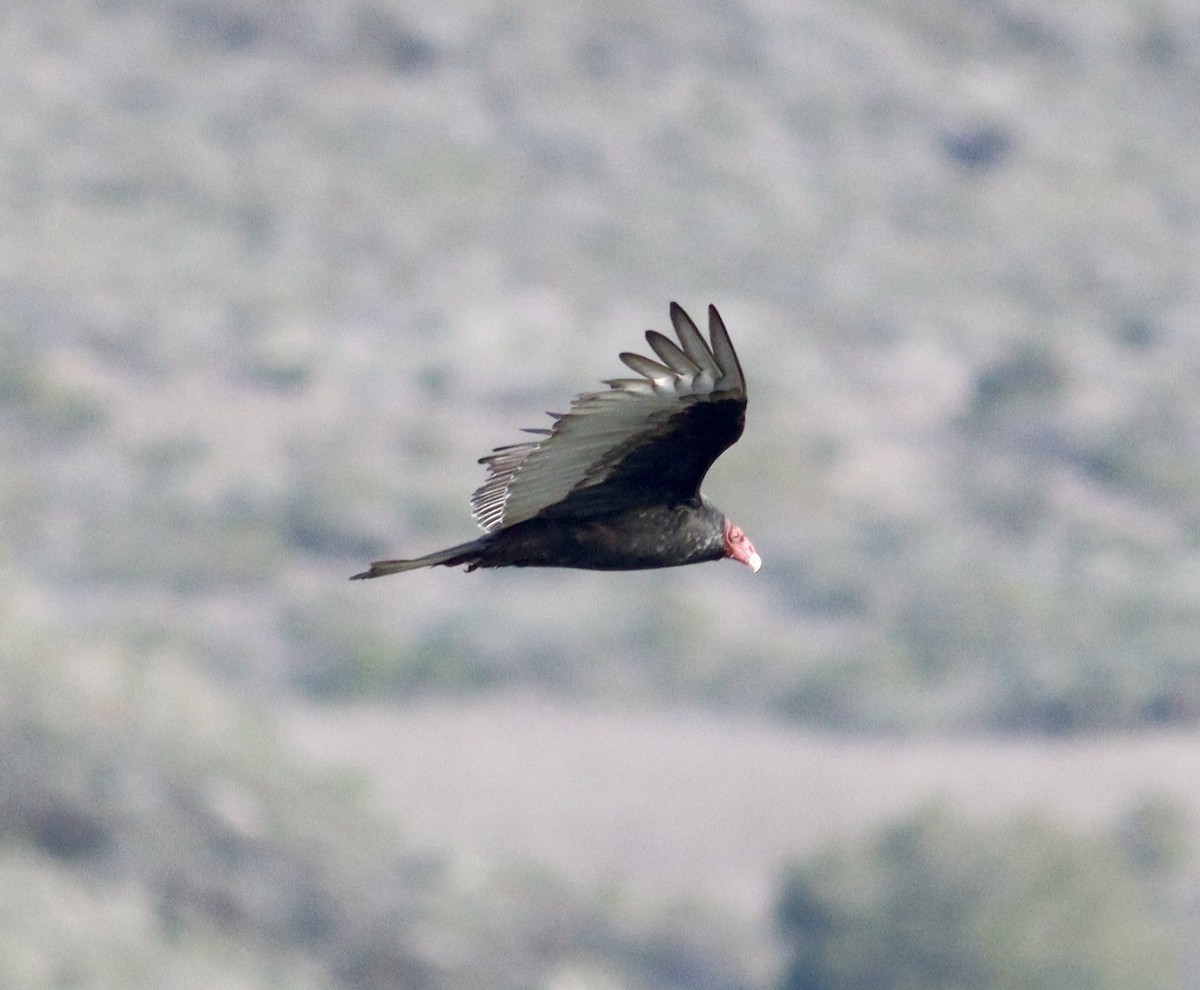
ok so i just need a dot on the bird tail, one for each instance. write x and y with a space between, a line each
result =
464 553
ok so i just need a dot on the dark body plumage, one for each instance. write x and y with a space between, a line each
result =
635 539
615 484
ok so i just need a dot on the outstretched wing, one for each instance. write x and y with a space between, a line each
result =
646 440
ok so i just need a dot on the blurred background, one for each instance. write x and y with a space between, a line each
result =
274 275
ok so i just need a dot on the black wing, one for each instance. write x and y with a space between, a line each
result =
646 440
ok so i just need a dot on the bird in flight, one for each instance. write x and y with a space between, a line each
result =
614 484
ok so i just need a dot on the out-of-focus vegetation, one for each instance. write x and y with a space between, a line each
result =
274 275
937 901
154 833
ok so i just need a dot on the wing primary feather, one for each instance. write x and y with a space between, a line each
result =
638 386
671 355
727 359
693 343
644 366
506 451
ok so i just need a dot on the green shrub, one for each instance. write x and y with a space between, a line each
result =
939 902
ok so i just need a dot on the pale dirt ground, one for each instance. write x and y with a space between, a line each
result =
687 802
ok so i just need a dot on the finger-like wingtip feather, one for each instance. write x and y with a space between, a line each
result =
637 386
693 343
671 354
644 366
722 348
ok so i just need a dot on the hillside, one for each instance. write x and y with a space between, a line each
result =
274 276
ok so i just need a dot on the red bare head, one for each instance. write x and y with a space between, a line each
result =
739 548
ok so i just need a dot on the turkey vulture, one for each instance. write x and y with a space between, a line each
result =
614 485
